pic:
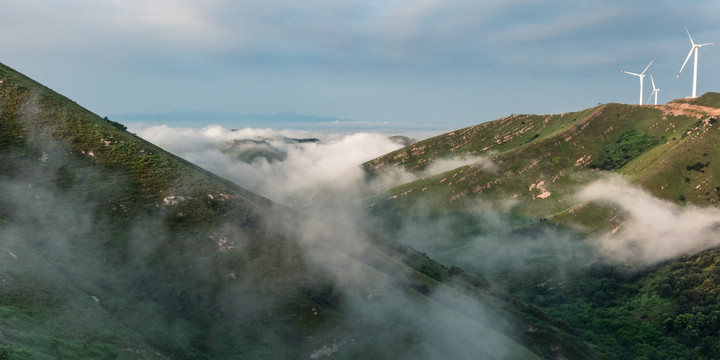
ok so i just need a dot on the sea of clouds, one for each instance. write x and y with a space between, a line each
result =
328 170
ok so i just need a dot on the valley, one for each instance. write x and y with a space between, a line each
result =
583 235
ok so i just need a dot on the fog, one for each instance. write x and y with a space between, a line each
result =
327 175
652 229
323 178
362 308
274 163
293 167
64 212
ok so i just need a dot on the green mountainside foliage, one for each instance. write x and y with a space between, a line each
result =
629 146
112 248
542 160
511 214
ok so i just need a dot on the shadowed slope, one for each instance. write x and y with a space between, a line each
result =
112 247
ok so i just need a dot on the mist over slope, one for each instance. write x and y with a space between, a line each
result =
582 214
286 166
579 215
113 247
579 235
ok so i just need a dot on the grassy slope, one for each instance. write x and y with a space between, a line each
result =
126 248
121 250
628 314
557 150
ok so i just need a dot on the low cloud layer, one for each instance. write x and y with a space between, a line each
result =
323 175
653 229
285 164
327 173
292 167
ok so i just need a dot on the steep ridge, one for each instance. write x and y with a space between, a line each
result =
114 248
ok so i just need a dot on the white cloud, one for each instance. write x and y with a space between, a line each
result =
653 229
269 162
302 171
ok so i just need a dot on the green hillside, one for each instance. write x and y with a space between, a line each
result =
513 214
541 160
111 247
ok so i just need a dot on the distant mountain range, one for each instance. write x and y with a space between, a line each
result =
224 117
229 119
279 121
583 235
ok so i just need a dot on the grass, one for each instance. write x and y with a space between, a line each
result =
635 141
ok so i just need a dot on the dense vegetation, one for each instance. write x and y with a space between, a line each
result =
629 146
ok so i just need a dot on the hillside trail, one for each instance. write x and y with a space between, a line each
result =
684 109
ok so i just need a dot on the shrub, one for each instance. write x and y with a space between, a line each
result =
116 124
629 146
698 166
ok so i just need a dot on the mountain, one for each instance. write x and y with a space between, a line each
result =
113 248
586 235
542 159
605 220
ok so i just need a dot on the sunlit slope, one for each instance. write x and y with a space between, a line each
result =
114 248
542 160
685 168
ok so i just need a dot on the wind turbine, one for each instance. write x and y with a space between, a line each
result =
694 49
655 90
641 76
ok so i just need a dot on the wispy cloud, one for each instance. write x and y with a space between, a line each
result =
652 229
297 170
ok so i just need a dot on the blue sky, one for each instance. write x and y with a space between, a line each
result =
442 64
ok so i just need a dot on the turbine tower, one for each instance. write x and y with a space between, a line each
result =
655 90
693 49
641 76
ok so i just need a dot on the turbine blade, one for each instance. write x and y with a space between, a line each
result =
654 92
686 60
631 73
652 81
651 61
688 32
712 43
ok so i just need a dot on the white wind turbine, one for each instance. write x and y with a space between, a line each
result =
655 90
641 76
694 49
